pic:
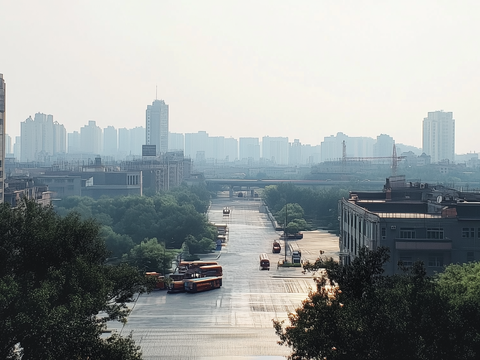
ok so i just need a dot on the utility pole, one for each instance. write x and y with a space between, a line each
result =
285 231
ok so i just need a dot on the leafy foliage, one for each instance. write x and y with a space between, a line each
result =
316 204
54 283
202 246
169 217
149 255
358 313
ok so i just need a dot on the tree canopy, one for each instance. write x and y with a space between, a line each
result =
317 205
357 312
56 293
170 217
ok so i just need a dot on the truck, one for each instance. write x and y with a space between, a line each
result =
276 248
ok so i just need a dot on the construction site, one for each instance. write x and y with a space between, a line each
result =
355 168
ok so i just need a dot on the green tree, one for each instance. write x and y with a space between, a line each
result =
201 246
117 244
149 255
54 283
359 313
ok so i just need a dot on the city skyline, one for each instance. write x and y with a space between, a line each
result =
243 69
44 140
383 141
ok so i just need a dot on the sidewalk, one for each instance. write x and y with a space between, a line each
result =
315 241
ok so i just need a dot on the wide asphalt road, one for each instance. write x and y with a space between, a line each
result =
235 321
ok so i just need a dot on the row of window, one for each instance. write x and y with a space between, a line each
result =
58 181
434 233
435 260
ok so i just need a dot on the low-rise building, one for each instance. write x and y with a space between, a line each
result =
17 188
417 221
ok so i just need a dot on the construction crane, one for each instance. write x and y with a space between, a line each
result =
394 158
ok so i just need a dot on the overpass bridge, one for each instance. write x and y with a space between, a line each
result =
250 185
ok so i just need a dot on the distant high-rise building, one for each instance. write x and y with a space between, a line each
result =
215 148
332 147
231 149
439 136
275 149
17 147
137 139
123 143
110 141
29 134
249 149
8 144
311 154
196 143
295 153
74 142
41 138
91 138
157 126
59 138
3 129
384 146
176 142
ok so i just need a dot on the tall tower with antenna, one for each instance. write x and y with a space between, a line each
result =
156 121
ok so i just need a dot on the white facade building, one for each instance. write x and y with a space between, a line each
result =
41 138
110 141
176 142
439 136
157 126
249 149
275 150
91 138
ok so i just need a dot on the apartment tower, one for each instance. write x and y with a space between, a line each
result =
157 126
439 136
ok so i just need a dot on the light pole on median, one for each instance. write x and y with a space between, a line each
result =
285 231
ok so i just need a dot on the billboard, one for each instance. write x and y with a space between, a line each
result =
149 150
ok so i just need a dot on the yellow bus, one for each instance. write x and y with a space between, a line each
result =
203 284
210 270
264 262
159 280
185 266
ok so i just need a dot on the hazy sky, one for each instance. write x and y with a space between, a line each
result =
303 69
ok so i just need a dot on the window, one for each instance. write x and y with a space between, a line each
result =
470 256
384 232
435 261
434 233
468 232
407 233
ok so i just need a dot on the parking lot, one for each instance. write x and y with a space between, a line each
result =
235 320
